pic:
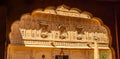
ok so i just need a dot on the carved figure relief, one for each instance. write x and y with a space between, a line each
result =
63 32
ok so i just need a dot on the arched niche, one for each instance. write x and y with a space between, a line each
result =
61 27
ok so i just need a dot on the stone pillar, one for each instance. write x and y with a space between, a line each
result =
96 50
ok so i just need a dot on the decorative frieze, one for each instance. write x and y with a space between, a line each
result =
68 36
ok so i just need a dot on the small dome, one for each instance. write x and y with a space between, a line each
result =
76 10
62 8
50 10
86 14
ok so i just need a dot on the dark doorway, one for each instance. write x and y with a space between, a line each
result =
61 57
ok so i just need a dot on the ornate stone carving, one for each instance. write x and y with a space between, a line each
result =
56 24
59 28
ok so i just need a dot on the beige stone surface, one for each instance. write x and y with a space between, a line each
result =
22 52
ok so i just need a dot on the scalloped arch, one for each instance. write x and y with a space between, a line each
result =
73 20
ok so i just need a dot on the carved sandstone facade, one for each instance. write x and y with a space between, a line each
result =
52 32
